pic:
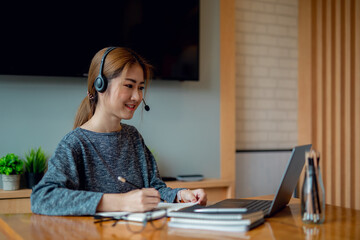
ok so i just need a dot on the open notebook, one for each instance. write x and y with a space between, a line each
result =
159 212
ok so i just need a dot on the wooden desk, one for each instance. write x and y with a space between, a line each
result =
340 223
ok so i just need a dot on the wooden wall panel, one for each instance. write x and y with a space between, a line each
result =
329 93
357 106
227 92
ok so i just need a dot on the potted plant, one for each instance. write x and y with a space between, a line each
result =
11 167
35 166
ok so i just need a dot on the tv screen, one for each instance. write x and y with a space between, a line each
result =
57 38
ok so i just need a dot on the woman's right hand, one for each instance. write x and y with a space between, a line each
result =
139 200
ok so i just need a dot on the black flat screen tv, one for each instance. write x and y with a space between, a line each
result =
58 38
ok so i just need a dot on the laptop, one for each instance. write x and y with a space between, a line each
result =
284 192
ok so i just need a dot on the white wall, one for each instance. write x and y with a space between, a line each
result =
266 74
182 126
266 92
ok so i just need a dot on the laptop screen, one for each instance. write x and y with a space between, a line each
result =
290 178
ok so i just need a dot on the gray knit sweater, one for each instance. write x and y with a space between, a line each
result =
86 165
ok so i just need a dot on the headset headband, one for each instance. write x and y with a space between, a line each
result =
103 59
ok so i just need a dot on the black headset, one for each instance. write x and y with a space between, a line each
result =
101 82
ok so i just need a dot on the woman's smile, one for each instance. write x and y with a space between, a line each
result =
131 107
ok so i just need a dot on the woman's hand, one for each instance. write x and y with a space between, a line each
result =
139 200
197 195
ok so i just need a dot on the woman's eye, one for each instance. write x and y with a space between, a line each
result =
141 88
129 85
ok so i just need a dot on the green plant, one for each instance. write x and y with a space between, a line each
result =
11 165
36 161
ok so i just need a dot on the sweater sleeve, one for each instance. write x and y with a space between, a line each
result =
58 191
166 193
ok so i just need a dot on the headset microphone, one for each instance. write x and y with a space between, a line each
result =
147 107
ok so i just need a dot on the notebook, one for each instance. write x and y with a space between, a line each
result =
215 225
190 213
284 192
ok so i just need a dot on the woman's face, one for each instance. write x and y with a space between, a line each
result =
125 93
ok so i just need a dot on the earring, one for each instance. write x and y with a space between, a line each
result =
91 97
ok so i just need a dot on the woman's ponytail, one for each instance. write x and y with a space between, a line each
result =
83 113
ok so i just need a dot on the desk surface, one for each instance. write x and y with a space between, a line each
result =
340 223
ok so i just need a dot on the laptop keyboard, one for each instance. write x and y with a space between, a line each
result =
259 205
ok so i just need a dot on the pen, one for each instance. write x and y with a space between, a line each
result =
121 179
220 210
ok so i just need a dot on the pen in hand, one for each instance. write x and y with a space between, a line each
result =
121 179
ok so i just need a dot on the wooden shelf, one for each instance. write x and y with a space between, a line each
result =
21 193
206 183
216 189
18 201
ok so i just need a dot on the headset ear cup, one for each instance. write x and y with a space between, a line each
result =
100 84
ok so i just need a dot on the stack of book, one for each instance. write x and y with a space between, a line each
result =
212 218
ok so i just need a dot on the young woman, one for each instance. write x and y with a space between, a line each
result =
82 176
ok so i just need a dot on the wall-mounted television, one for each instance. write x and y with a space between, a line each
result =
60 38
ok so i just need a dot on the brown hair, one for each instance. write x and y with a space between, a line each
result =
115 62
